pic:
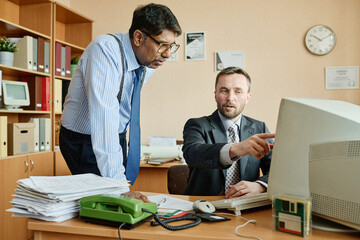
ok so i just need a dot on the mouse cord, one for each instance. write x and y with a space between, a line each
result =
120 226
164 224
243 225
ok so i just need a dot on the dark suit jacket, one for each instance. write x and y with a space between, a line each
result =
203 139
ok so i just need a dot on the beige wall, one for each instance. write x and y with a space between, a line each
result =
271 34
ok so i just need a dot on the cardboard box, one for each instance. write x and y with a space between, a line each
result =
21 138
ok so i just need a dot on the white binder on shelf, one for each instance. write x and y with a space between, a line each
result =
46 57
47 134
36 133
3 136
58 96
0 89
23 58
41 134
35 54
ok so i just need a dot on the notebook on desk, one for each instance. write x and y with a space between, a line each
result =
159 161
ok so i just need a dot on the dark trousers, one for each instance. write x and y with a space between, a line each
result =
78 153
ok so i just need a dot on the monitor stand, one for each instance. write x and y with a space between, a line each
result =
323 224
13 108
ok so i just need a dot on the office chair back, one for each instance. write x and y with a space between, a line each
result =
177 179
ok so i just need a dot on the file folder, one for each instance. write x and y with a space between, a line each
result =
35 92
23 58
41 134
67 61
35 53
40 54
58 59
47 134
36 133
46 57
58 96
63 53
0 89
3 136
45 94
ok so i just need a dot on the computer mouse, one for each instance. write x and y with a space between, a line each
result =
203 206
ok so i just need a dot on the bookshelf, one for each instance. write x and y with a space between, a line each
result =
54 23
73 30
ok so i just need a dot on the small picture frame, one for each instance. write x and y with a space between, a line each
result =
194 46
226 59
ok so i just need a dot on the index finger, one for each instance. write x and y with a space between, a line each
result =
144 198
266 135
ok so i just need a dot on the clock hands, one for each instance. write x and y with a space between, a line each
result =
326 37
315 37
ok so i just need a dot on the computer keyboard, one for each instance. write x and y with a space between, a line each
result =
243 202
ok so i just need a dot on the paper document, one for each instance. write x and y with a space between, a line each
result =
72 183
164 201
57 198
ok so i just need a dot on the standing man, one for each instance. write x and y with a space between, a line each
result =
225 150
104 95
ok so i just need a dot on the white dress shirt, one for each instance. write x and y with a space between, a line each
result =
225 150
91 106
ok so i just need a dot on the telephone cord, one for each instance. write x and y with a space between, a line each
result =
164 224
120 226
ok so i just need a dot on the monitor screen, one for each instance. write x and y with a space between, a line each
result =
303 122
15 94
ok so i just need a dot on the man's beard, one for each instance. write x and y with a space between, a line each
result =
229 114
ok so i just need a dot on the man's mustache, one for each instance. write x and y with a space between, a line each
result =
160 59
229 104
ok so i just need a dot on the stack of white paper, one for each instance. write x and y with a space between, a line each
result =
57 198
174 152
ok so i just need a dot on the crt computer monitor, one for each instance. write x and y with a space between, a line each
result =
306 122
15 94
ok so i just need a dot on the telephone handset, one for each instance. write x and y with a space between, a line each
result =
120 210
115 208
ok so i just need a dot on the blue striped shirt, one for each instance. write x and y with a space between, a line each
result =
91 106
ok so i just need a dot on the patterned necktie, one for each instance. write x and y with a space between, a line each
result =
133 160
232 173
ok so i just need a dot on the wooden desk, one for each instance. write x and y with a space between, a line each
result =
153 178
75 229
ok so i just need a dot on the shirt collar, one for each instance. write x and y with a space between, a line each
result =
227 122
131 60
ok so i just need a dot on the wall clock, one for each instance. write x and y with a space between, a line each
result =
320 40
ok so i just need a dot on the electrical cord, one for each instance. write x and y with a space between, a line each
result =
243 225
120 226
164 224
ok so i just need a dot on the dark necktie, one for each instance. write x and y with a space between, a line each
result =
133 161
232 173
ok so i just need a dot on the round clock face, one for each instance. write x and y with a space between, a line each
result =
320 40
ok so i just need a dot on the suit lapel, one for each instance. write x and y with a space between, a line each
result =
245 132
218 131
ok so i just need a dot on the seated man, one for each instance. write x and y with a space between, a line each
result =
225 150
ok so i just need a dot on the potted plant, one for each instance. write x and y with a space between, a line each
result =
7 49
74 62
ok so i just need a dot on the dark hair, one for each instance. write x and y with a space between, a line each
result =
234 70
154 19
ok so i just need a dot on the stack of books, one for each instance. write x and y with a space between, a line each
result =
57 198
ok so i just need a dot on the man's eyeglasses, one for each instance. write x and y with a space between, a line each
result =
163 47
